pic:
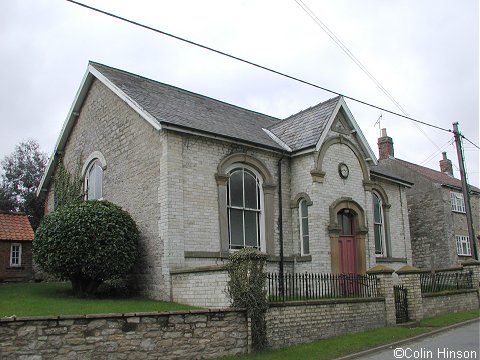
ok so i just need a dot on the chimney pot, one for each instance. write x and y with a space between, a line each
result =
446 165
385 146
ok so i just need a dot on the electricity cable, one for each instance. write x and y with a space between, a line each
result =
254 64
362 67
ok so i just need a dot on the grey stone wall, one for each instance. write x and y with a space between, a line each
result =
133 151
204 286
297 323
193 335
444 303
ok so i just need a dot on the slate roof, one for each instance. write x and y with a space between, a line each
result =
304 129
382 170
435 176
15 226
170 105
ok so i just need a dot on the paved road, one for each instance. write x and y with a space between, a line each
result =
459 343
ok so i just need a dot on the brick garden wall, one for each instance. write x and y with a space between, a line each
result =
192 335
297 322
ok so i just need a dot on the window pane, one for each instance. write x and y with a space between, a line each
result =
345 221
305 227
251 228
236 188
250 191
304 209
306 245
377 210
236 228
378 239
98 181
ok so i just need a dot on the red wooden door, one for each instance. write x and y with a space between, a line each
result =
346 242
348 264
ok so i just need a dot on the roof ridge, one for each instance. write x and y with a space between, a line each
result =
191 93
5 212
313 107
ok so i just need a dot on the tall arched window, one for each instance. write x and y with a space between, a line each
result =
244 204
304 231
94 181
379 228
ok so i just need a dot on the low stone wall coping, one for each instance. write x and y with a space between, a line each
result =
116 315
198 269
324 302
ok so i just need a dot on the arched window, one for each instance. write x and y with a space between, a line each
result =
379 228
304 231
244 207
94 181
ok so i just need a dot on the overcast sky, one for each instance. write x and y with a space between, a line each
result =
425 53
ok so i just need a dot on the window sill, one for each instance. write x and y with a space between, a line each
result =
14 267
391 259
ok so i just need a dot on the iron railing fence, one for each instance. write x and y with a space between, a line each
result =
311 286
443 281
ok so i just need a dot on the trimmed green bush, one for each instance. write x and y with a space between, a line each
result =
87 243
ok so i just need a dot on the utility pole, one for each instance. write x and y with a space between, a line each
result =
465 189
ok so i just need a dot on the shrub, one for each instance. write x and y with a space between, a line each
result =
87 243
246 288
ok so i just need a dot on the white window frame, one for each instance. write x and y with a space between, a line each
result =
457 202
15 255
463 245
302 230
379 224
261 211
94 163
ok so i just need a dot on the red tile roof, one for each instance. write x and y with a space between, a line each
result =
15 226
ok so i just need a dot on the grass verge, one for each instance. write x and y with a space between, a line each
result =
353 343
56 298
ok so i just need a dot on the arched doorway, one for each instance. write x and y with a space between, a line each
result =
348 234
346 242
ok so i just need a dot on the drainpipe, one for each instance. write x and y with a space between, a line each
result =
280 226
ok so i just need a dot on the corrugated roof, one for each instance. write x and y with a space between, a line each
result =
305 128
170 105
16 227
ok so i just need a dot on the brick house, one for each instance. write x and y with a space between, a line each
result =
202 178
438 222
16 237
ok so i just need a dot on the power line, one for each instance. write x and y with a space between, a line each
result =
471 142
436 152
254 64
347 51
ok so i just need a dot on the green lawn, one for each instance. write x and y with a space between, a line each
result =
55 298
352 343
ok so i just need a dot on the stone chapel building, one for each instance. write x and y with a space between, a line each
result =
202 178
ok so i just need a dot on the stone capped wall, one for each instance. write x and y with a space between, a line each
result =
297 323
193 335
444 303
204 286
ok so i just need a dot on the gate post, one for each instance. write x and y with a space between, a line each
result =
385 278
474 267
410 279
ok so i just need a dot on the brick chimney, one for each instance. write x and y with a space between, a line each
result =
446 165
385 146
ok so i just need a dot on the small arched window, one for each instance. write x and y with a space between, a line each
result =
244 204
304 231
94 181
379 229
